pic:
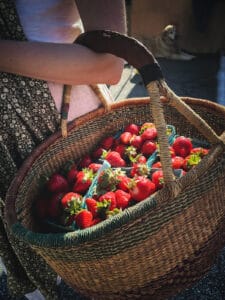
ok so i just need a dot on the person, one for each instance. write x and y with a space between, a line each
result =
38 58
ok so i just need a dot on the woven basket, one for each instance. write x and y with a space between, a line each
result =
161 245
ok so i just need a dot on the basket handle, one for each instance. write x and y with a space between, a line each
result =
137 55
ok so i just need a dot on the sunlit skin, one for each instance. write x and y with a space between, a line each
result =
69 63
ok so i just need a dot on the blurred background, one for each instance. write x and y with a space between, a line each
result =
201 31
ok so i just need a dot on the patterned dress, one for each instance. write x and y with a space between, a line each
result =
28 115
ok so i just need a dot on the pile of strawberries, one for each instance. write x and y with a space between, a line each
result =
117 175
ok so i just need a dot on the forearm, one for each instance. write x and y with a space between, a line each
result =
62 63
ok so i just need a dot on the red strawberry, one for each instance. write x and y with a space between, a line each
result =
107 143
172 152
121 148
69 171
54 205
145 126
139 169
136 141
115 159
83 181
157 179
200 151
122 198
92 206
125 137
148 148
182 146
83 219
149 134
108 180
109 196
71 196
57 183
141 159
96 221
123 183
132 128
97 153
94 167
177 162
157 165
71 175
85 161
141 187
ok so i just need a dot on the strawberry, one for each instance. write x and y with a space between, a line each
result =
136 141
191 161
94 167
141 187
132 128
97 153
109 196
121 148
122 198
141 159
83 181
125 137
149 134
157 179
172 151
200 151
54 205
145 126
182 146
107 143
71 174
85 161
148 148
123 182
57 183
92 206
139 169
157 165
177 162
108 180
96 221
83 219
114 159
71 197
69 171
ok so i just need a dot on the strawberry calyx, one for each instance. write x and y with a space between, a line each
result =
74 206
131 152
108 180
103 208
192 160
111 213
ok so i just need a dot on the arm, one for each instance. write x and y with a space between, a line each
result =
62 63
65 63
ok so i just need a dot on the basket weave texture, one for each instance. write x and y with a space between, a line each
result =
152 250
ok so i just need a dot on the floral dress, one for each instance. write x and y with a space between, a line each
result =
28 115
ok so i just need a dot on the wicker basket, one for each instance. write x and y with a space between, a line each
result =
161 245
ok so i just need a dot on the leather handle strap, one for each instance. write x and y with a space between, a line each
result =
128 48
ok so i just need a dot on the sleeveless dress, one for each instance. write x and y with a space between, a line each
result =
28 116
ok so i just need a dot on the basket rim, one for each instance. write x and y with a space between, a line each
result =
10 213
